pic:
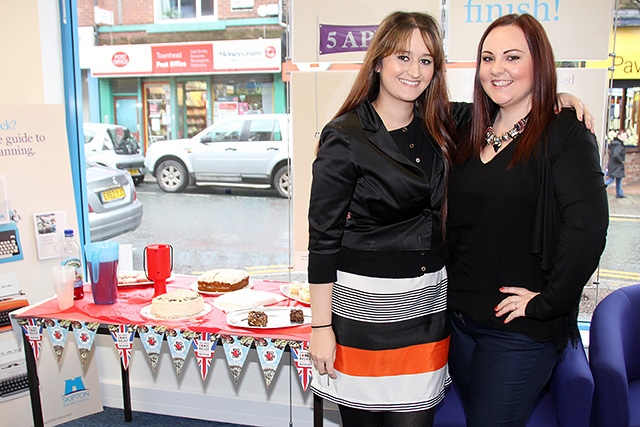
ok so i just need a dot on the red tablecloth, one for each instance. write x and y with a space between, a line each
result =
131 299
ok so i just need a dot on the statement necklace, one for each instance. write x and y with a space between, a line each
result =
496 141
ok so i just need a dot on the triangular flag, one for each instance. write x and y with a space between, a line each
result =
151 338
33 330
58 330
123 339
300 353
179 344
204 347
269 353
236 350
85 333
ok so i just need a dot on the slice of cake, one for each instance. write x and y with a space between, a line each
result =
223 280
257 318
296 315
180 303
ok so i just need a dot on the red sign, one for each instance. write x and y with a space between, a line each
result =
188 58
120 59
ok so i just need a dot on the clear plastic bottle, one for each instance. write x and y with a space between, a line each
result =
70 255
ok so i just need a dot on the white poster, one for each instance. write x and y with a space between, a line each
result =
578 29
34 160
313 42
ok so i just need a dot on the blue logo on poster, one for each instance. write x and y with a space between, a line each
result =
74 391
72 385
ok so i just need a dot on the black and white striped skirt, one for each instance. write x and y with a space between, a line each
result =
392 340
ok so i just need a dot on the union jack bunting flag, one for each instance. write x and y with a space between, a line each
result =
33 330
204 348
123 339
303 363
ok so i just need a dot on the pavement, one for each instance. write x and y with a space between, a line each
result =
627 207
606 281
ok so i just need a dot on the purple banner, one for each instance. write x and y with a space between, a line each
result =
345 38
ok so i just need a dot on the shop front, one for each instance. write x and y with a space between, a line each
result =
624 95
183 88
624 107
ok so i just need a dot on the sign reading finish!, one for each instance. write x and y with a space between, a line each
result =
191 58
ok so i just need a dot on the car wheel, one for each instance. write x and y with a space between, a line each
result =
282 181
137 180
172 176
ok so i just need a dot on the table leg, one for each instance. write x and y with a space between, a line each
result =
126 393
32 380
317 411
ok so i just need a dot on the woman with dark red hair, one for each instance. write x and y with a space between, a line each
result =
527 224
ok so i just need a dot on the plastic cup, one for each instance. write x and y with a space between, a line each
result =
63 277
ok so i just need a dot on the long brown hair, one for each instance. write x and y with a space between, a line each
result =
393 36
543 92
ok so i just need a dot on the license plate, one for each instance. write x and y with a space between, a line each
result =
111 195
134 172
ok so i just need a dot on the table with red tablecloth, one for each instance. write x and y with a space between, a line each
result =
127 311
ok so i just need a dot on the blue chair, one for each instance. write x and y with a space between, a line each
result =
614 355
565 401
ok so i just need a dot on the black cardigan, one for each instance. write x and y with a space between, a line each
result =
569 217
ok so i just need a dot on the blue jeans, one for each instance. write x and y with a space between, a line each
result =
499 374
610 179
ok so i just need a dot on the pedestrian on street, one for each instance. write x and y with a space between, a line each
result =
615 167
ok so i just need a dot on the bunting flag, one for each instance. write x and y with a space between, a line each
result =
151 338
58 330
269 354
204 347
85 333
32 329
236 350
300 353
123 339
179 344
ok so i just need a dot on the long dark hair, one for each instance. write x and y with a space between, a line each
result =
394 35
543 92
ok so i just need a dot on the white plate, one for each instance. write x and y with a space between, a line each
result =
146 313
285 288
146 282
277 317
194 287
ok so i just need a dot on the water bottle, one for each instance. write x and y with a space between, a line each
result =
70 255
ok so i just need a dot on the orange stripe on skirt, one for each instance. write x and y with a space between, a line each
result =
415 359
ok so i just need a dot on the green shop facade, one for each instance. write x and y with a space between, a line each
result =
172 91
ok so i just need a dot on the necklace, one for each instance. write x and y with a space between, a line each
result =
496 141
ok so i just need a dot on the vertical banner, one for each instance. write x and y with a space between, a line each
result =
34 161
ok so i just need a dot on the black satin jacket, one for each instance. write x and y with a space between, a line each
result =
366 195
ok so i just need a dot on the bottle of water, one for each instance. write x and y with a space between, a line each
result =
70 255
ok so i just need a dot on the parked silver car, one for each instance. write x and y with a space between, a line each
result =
114 207
245 150
114 146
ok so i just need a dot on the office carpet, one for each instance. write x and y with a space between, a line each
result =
112 417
